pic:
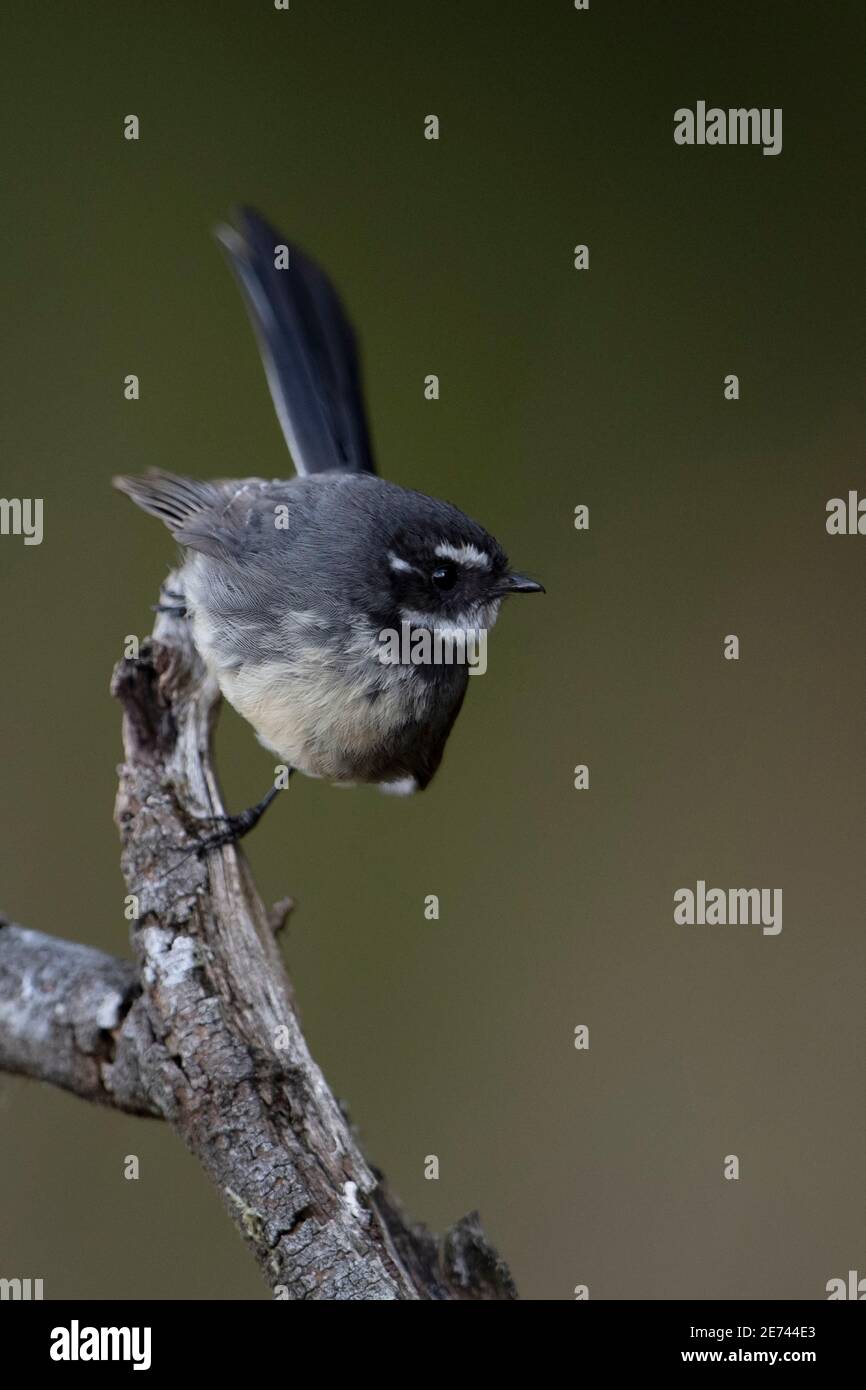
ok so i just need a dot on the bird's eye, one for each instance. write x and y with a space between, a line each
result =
445 575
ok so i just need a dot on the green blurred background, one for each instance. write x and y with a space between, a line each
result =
707 517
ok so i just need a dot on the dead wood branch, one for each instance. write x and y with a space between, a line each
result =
203 1029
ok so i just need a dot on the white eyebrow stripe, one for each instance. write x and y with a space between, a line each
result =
397 564
463 555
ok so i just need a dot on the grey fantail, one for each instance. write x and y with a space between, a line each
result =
292 587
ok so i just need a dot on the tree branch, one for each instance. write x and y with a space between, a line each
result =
212 1041
63 1014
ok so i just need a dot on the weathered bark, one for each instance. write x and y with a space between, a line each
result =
212 1040
62 1013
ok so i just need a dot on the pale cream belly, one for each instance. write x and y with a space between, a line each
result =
315 719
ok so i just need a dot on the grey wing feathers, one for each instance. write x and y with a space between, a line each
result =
308 349
172 499
193 511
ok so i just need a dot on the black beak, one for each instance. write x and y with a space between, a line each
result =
522 584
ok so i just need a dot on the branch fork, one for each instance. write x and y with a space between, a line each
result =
202 1030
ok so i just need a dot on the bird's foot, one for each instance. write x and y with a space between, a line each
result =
233 828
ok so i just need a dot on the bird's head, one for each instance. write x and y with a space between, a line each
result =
448 574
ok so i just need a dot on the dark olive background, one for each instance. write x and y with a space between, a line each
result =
558 387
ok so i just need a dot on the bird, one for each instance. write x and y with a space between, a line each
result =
291 585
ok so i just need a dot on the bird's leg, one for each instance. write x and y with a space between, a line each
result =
233 828
178 608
